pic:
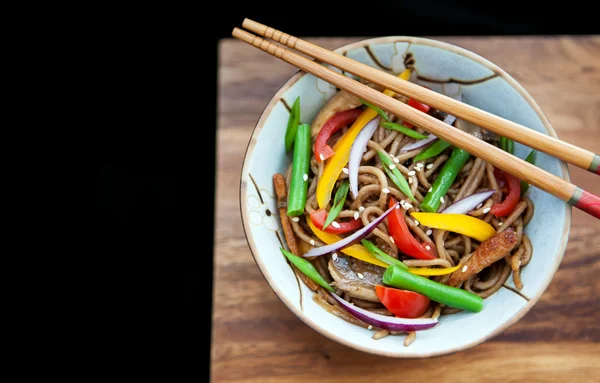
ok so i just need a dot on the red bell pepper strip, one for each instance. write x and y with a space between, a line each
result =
504 208
402 303
403 237
336 122
419 106
318 217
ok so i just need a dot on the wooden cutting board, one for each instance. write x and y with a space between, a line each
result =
255 338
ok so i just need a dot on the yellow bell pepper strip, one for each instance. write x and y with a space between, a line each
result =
457 223
335 164
430 271
382 256
357 251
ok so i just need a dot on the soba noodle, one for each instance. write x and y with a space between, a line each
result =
452 248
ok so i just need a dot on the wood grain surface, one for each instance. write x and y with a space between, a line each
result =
256 338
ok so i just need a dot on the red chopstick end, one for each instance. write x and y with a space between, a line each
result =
589 203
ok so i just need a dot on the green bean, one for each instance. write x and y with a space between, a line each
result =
531 159
507 144
438 292
381 255
395 175
377 109
292 125
403 129
300 168
445 178
307 268
432 150
338 203
510 146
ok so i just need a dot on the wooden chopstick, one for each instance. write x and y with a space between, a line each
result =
521 169
560 149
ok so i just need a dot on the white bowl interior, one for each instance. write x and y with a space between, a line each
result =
447 69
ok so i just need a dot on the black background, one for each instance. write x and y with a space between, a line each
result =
152 193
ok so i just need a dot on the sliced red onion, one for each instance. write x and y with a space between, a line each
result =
351 239
357 151
386 322
419 143
467 204
449 119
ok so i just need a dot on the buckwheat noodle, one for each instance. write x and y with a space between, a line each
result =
371 201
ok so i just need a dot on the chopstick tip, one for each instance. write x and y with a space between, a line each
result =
237 32
255 27
245 36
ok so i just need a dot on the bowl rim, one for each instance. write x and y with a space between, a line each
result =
437 44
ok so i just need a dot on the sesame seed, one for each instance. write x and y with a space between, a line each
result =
486 210
392 166
392 239
408 205
500 223
305 177
418 169
345 170
410 180
356 215
429 232
295 219
370 327
464 268
420 164
416 223
385 190
411 173
335 224
312 242
427 247
396 160
479 206
322 157
442 199
430 189
334 257
361 208
398 206
360 276
429 166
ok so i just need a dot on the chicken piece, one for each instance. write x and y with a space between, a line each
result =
345 272
487 252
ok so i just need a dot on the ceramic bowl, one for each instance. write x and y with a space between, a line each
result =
447 69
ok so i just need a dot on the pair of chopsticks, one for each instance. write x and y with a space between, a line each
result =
521 169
